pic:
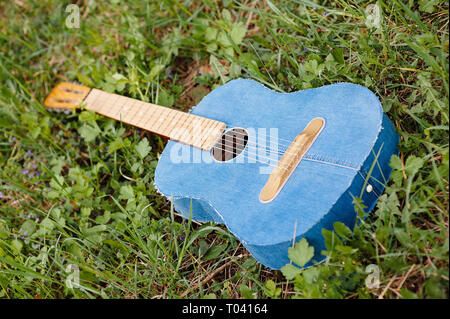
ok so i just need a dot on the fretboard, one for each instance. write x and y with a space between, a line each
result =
183 127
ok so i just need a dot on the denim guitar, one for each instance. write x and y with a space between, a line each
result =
349 159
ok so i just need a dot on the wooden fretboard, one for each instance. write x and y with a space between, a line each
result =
183 127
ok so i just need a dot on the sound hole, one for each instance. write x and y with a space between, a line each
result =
230 144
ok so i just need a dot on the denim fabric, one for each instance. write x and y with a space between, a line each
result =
338 165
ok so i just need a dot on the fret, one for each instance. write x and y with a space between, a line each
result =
159 121
100 102
185 131
167 128
197 129
197 132
107 107
193 129
94 101
128 116
208 129
189 135
89 101
110 106
212 134
132 115
122 100
182 127
204 133
124 108
127 112
144 109
173 124
151 116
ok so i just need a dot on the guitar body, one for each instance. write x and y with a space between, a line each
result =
349 158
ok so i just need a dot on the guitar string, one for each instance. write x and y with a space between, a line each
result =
228 151
284 151
277 139
256 146
279 151
246 149
271 140
252 145
128 109
134 101
268 150
306 159
288 167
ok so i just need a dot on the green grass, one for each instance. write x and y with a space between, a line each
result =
77 189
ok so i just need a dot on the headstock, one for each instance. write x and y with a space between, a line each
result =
66 96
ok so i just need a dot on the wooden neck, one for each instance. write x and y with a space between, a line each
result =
183 127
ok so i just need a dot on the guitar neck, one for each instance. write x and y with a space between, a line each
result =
183 127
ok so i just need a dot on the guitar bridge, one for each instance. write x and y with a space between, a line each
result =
290 160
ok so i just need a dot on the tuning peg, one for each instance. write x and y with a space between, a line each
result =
66 96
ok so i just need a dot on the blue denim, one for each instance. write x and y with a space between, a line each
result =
339 165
